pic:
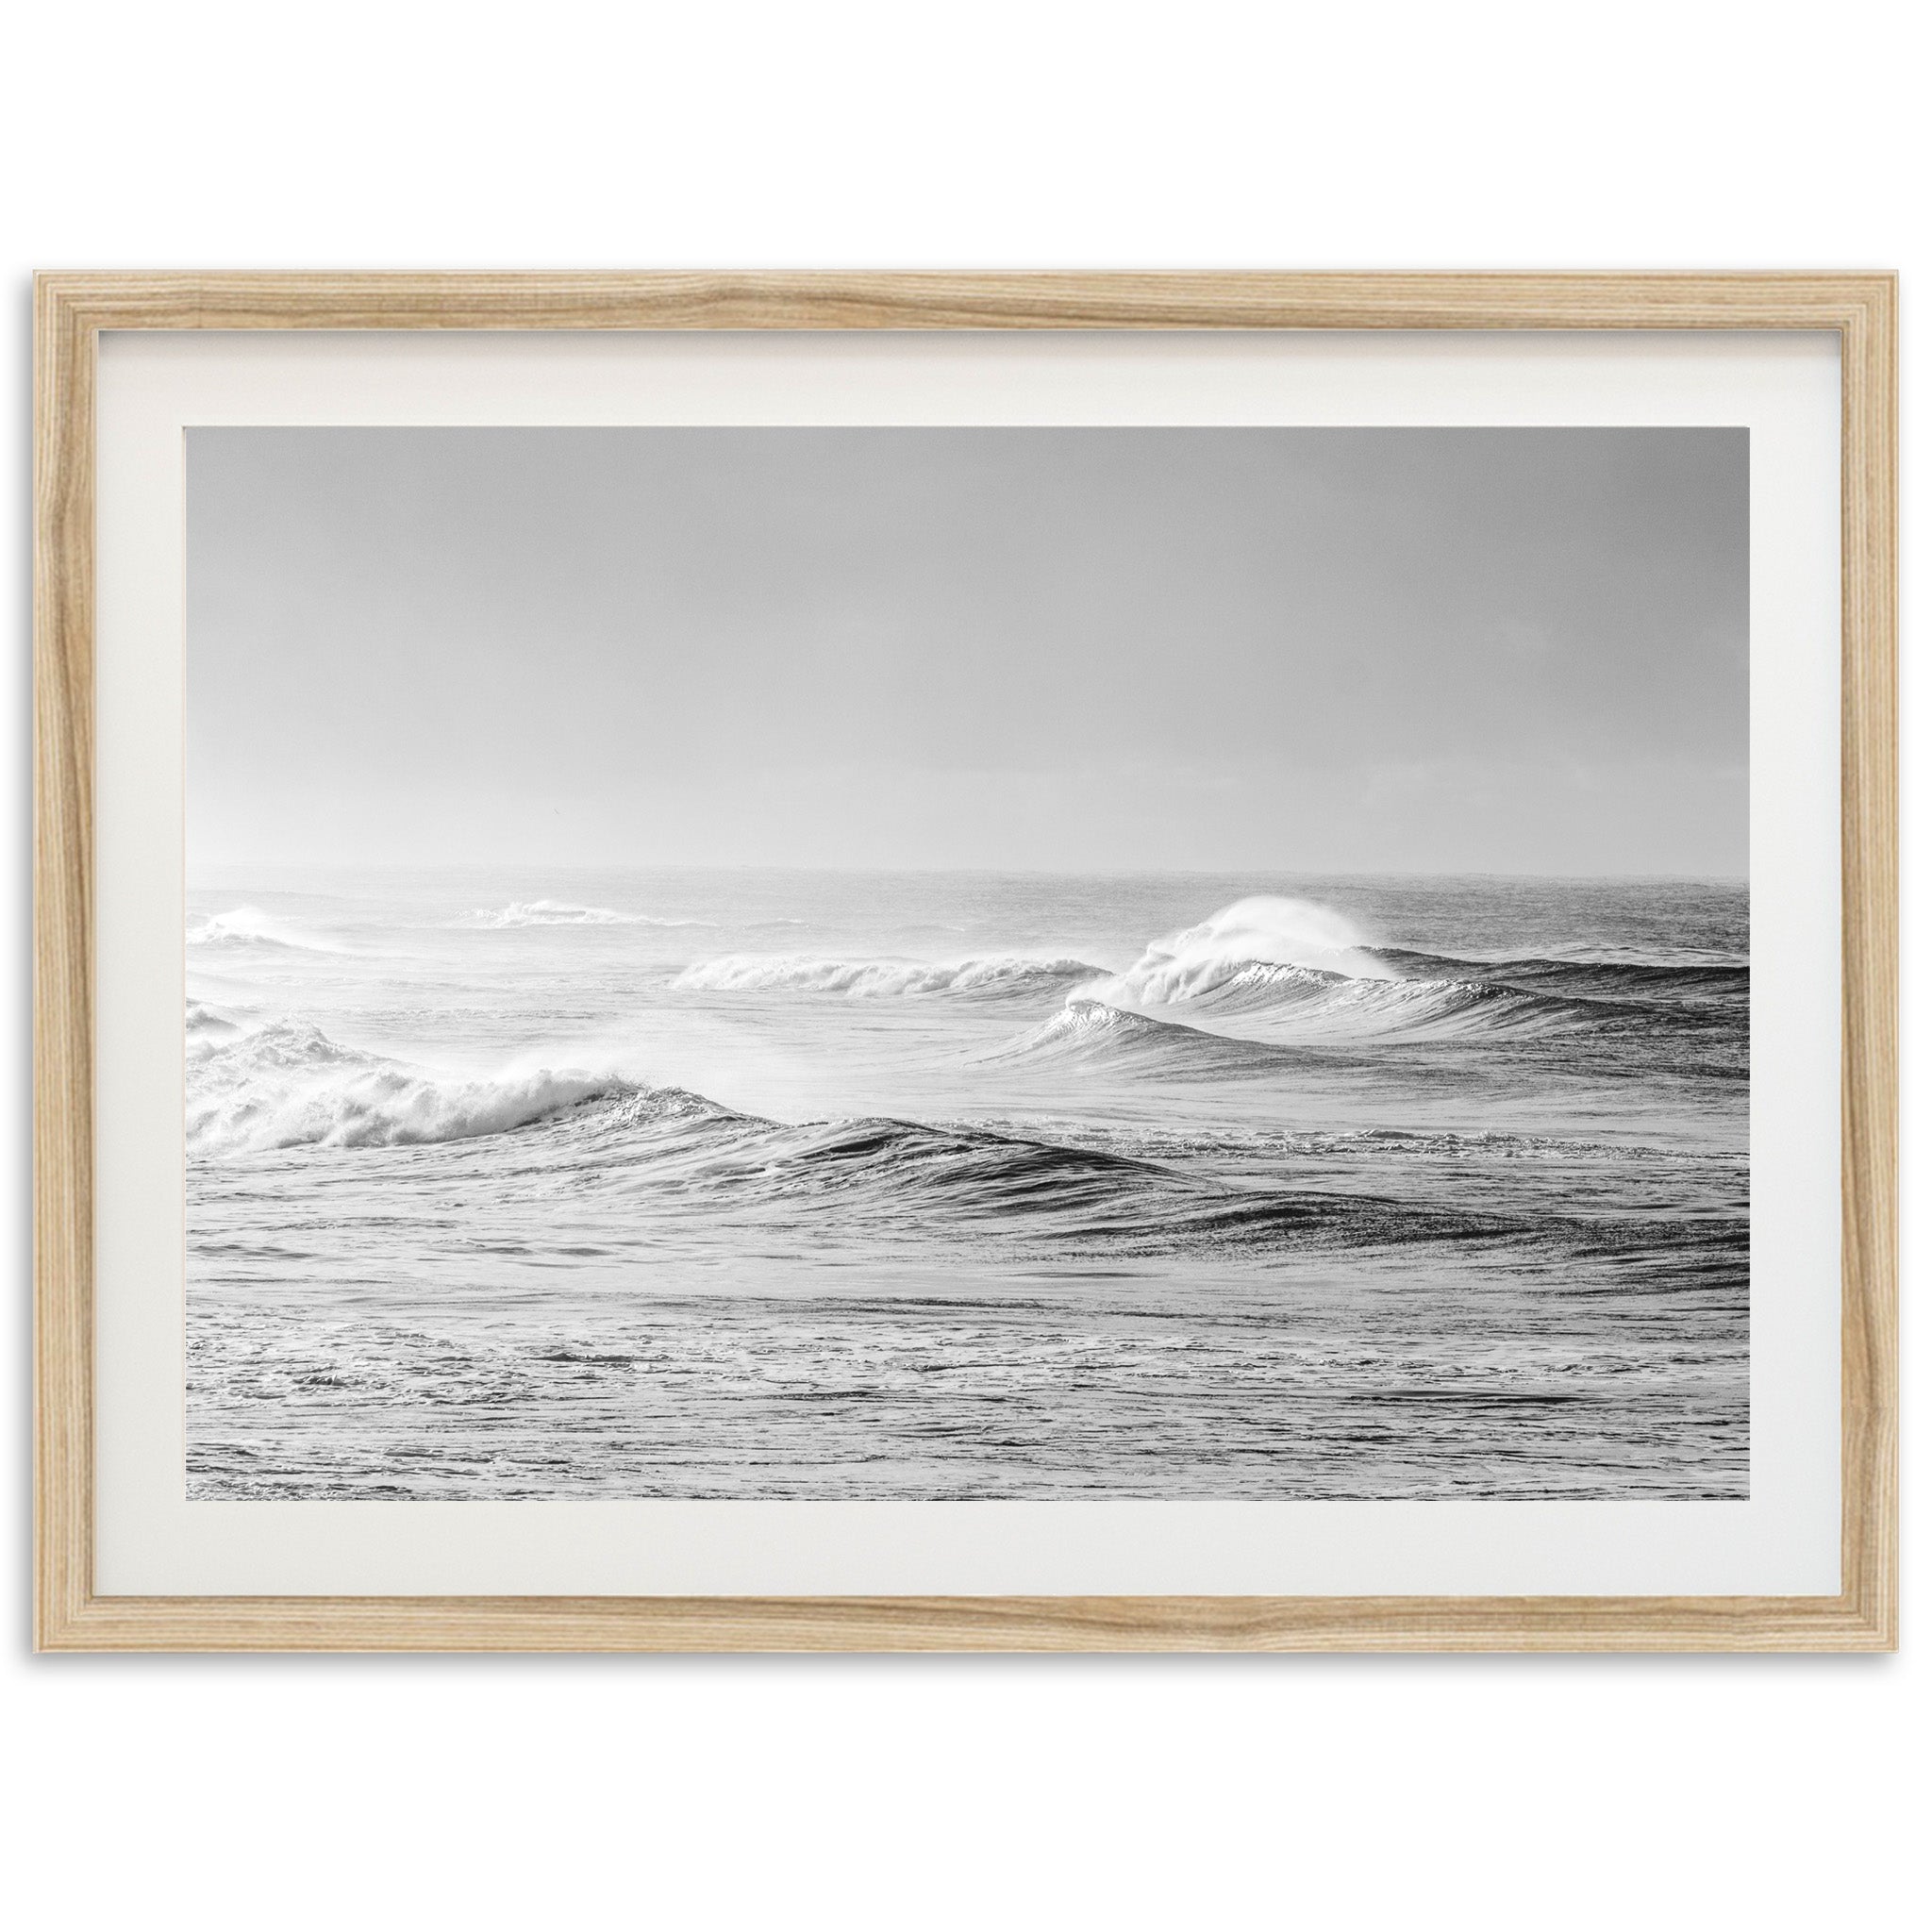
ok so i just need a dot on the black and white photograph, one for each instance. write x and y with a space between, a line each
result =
968 963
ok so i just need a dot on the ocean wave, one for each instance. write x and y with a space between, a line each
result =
1261 931
1675 953
247 928
1252 983
288 1084
1307 969
208 1025
1195 1143
1585 977
1090 1033
1447 1008
560 912
1000 976
1302 1002
665 1159
883 1179
1307 1001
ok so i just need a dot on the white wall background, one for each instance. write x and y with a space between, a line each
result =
1360 1793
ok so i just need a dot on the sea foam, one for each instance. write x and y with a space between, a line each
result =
288 1084
1262 930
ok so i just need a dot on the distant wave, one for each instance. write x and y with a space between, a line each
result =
288 1084
247 927
1003 974
560 912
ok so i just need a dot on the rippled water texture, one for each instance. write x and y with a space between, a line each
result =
950 1186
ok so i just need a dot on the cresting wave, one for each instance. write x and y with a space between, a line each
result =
1003 974
257 1086
288 1084
1259 931
560 912
247 927
1089 1033
1283 967
208 1025
1297 1001
1296 969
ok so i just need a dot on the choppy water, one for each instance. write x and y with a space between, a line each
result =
951 1186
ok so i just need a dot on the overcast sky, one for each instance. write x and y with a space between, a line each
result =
1290 650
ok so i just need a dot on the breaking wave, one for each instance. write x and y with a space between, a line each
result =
288 1084
1259 931
1292 969
1002 975
1303 965
207 1025
247 927
1300 1001
560 912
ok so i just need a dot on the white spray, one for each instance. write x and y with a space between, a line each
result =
1263 930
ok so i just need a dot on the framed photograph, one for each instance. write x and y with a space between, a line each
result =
973 962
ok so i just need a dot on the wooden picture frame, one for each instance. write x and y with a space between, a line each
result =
72 310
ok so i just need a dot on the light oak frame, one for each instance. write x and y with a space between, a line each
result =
71 312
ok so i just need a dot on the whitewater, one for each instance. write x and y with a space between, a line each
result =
511 1184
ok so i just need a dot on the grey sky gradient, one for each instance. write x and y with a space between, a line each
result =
1406 650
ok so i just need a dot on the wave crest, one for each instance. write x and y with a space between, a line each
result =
1293 969
288 1084
1090 1033
561 912
247 927
208 1025
1002 974
1260 931
1297 1003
